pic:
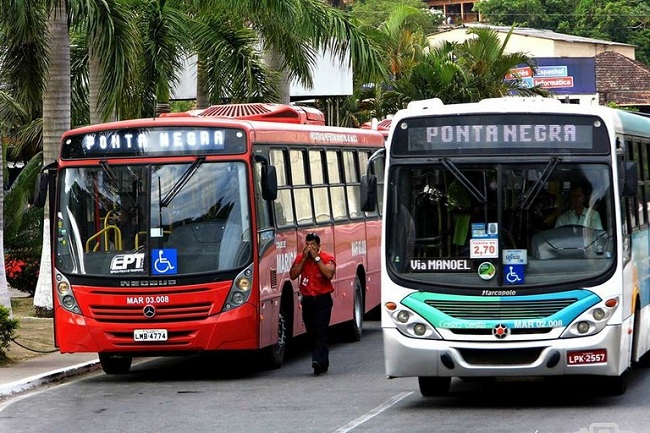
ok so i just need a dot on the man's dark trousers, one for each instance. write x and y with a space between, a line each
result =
316 313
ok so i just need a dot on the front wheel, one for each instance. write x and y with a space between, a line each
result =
614 385
114 364
355 327
434 386
275 353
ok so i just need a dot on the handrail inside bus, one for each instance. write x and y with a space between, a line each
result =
105 231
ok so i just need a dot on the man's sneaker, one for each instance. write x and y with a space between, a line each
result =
318 369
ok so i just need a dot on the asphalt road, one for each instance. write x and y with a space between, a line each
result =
228 394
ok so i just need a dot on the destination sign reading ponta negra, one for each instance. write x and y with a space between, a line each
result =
489 133
154 141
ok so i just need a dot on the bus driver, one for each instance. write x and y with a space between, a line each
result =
578 214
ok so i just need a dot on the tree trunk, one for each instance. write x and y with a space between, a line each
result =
56 120
94 82
202 97
274 61
5 299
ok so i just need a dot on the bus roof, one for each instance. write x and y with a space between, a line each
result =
628 121
261 121
266 112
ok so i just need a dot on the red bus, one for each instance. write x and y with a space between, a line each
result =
382 126
175 234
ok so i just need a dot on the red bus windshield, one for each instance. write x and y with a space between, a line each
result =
171 219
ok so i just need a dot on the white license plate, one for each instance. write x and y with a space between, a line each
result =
150 335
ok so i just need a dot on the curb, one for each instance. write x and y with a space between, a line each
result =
44 378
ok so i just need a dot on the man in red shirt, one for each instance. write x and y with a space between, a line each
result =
316 269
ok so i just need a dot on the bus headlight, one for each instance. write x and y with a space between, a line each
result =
65 295
593 320
411 324
240 290
403 316
599 314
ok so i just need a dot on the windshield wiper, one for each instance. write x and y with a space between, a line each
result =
109 172
478 195
180 183
527 199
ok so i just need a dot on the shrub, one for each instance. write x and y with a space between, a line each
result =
8 327
22 268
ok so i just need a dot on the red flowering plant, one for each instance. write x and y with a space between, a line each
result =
22 272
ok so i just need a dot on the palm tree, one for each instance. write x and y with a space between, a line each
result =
56 120
5 299
22 67
467 72
485 60
293 31
401 41
110 39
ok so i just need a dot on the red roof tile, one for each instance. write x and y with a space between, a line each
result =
622 80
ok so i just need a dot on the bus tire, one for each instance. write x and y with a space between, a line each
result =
355 326
614 385
275 353
115 364
434 386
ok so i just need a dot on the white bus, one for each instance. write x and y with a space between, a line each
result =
515 241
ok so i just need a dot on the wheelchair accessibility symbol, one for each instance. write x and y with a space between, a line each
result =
164 262
513 274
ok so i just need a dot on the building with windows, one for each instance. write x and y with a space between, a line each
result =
455 11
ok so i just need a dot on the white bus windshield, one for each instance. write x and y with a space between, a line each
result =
498 225
153 220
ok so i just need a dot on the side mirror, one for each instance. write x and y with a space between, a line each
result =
269 183
368 193
630 179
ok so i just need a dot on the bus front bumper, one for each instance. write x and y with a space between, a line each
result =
411 357
233 330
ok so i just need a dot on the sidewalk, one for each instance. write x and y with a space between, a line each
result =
44 369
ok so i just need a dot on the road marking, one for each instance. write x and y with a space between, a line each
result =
373 413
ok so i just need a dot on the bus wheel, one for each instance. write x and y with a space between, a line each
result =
355 327
434 386
614 385
113 364
275 353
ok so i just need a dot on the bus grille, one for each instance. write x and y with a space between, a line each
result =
164 313
500 310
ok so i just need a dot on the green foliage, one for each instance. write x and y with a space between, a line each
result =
374 12
182 106
466 72
8 327
22 222
23 230
626 21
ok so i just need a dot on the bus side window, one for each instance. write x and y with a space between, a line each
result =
283 205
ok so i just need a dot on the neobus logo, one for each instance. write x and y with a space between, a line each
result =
145 283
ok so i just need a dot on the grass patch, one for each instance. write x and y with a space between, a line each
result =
34 333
